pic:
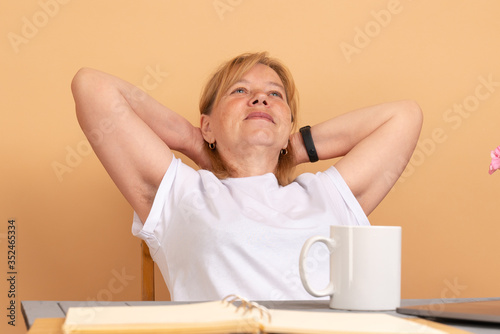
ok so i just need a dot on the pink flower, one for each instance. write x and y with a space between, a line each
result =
495 160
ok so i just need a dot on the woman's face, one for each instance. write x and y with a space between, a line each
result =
253 111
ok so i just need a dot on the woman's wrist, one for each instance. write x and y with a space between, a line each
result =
194 148
299 148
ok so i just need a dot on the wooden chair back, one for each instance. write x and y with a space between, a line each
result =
148 274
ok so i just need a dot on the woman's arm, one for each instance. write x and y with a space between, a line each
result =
132 134
376 144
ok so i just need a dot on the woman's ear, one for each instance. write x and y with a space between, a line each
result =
205 128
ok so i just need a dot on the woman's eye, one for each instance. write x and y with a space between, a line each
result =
239 90
277 94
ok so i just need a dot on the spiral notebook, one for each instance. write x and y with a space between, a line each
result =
235 315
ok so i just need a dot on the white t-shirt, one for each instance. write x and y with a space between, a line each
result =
211 238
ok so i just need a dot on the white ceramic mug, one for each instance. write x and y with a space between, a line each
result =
365 267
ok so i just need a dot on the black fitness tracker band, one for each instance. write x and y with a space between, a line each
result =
309 143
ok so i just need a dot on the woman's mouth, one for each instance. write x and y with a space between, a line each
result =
260 115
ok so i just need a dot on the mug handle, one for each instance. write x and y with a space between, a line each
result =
330 243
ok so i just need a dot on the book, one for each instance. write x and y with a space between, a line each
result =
227 317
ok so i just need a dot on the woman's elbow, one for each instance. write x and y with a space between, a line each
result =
89 88
82 81
412 113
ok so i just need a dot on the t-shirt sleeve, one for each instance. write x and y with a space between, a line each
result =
350 200
155 224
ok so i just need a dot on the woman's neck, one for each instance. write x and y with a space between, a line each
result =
253 161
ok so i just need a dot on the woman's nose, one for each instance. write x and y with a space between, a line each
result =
259 98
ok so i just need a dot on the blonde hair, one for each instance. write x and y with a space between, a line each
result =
225 76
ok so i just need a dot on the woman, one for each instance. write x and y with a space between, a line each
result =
237 225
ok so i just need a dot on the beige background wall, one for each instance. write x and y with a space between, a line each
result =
73 239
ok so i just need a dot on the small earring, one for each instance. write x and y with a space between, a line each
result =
284 151
211 146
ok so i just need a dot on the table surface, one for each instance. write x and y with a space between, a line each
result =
33 310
